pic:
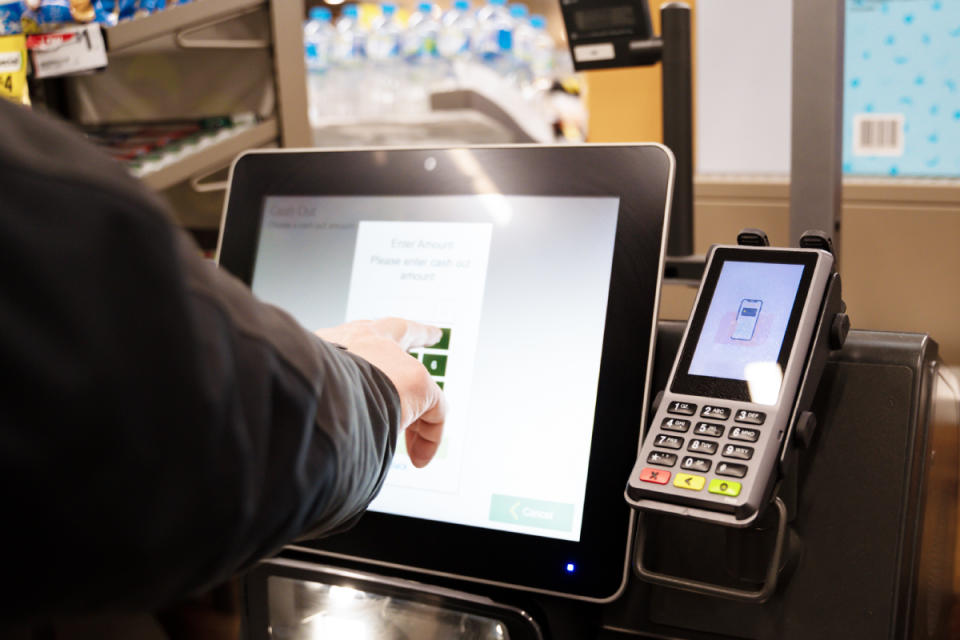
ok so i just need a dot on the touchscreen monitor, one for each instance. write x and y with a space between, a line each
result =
542 268
519 285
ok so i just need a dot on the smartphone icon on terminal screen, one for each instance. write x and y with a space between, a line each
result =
747 317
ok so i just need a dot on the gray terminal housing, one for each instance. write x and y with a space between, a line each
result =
742 510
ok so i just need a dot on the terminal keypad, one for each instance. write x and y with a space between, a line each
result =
717 445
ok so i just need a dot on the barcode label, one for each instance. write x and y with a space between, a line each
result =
878 134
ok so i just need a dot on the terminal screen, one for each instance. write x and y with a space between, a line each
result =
519 284
745 325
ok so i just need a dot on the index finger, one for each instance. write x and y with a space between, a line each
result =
409 334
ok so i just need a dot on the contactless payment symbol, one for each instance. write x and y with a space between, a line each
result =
747 317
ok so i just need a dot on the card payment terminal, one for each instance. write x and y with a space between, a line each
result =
712 448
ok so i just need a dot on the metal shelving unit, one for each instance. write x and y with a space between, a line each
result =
196 165
168 26
260 38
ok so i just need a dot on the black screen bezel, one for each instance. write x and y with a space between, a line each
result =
727 388
640 175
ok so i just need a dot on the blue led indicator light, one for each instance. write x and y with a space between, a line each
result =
571 567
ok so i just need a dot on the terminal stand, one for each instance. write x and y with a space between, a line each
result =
754 557
875 511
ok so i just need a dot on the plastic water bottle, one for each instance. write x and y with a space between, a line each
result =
420 38
385 72
542 52
346 59
349 42
318 36
425 66
383 42
518 69
318 40
494 33
456 27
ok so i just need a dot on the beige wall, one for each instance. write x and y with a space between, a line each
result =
900 250
901 241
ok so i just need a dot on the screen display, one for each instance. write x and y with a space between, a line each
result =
519 283
605 18
747 319
743 327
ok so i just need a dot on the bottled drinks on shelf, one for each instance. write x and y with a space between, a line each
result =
376 64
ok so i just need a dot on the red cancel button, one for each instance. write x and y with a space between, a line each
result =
656 476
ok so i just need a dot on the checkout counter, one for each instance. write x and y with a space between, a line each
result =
871 503
873 544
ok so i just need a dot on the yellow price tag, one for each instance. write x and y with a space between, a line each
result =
13 68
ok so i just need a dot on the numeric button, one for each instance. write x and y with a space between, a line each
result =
734 451
695 464
682 408
675 424
706 447
746 416
744 434
708 429
668 442
662 458
717 413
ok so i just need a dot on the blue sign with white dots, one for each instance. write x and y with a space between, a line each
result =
901 108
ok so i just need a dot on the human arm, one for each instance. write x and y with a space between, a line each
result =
159 427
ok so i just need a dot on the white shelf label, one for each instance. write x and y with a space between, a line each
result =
594 52
68 51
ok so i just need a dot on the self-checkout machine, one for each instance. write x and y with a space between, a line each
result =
828 514
856 534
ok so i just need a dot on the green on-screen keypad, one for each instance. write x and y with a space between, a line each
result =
434 357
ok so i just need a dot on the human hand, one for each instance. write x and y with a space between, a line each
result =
384 343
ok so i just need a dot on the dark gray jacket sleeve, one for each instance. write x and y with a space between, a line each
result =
159 427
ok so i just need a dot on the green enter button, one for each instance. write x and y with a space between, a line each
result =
724 487
531 513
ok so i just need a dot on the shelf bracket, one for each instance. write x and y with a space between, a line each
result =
184 41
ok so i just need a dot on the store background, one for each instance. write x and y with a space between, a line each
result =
900 237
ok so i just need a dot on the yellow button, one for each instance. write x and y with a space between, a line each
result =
688 481
725 487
